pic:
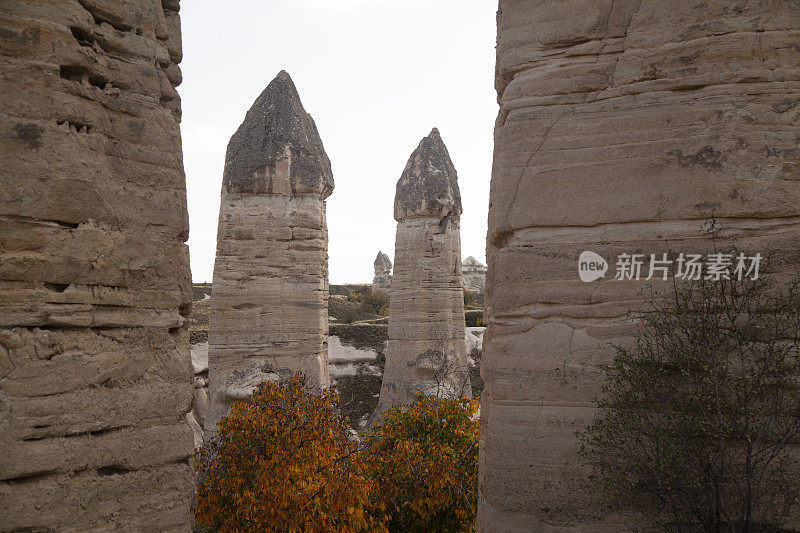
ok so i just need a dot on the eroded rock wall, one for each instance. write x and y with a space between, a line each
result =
269 311
95 379
623 126
426 350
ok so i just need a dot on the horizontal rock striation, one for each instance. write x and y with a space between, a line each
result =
269 312
426 350
623 126
95 379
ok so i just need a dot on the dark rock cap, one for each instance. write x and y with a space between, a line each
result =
428 186
382 262
277 128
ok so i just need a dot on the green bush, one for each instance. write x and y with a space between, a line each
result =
698 421
343 310
362 305
469 298
373 302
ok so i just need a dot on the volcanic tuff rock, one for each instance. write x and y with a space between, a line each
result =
428 186
383 273
269 312
623 125
95 377
474 274
426 348
277 131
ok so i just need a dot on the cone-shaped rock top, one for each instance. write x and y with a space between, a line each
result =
428 186
382 261
471 261
277 135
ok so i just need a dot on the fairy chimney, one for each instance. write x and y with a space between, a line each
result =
382 281
269 313
426 350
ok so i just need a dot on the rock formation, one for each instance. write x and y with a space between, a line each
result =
383 273
623 125
95 378
357 353
473 273
426 348
269 312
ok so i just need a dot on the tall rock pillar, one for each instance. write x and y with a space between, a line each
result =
269 313
623 126
95 378
426 350
382 282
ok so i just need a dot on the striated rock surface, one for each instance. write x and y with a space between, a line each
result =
623 125
95 378
383 273
269 312
474 274
426 349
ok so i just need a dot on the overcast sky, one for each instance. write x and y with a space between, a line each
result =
376 75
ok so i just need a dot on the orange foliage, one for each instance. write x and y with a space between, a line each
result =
424 458
283 462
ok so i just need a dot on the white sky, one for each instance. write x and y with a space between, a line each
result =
376 75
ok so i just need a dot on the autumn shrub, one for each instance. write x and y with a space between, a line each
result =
283 462
473 318
424 461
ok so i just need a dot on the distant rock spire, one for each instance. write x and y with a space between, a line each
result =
383 273
278 141
382 263
428 186
472 262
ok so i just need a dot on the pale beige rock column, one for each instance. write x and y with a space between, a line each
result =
269 310
474 274
382 281
426 350
622 127
95 379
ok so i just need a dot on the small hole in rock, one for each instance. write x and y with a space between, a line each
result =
112 470
72 72
98 81
82 36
